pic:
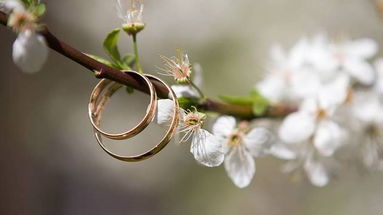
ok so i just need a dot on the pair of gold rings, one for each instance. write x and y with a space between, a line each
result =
97 104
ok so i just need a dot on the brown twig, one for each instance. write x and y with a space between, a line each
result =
104 71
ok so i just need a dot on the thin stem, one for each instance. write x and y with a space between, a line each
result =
139 68
104 71
201 94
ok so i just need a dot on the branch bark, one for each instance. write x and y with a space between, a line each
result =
104 71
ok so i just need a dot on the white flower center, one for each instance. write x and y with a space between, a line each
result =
235 138
321 114
192 122
21 21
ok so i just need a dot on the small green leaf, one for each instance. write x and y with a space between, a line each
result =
39 10
102 60
129 59
237 100
129 90
111 47
26 3
260 103
187 103
258 98
259 108
30 3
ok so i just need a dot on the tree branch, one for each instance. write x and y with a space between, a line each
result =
104 71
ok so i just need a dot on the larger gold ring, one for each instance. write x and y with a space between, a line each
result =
164 141
95 109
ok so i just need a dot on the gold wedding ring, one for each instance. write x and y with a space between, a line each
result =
95 109
97 105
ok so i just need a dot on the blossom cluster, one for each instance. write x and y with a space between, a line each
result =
29 49
336 85
338 94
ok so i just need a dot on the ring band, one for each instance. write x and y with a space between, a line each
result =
95 109
164 141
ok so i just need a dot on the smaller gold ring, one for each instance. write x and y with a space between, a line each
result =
161 145
95 109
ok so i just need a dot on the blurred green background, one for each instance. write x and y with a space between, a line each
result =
51 164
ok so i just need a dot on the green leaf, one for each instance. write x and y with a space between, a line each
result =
260 103
258 98
187 103
129 59
129 90
111 47
237 100
30 3
27 3
102 60
39 10
259 108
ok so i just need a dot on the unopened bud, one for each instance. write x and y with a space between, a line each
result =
133 28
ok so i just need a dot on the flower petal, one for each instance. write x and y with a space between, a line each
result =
282 151
298 53
29 51
8 6
206 148
305 79
224 126
329 137
360 70
309 106
297 127
316 172
334 93
363 48
368 108
320 56
165 111
378 64
273 87
198 74
256 139
185 91
240 166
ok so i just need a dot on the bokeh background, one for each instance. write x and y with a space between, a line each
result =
51 164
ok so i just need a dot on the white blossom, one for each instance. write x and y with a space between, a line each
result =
7 6
283 67
29 51
314 119
350 56
177 67
204 146
316 172
241 147
187 90
283 151
317 167
379 73
292 72
130 11
368 110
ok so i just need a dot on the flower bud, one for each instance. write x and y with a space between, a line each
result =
130 12
133 28
178 67
29 51
21 20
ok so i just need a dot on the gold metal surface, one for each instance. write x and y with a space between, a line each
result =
97 104
96 114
